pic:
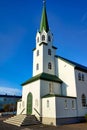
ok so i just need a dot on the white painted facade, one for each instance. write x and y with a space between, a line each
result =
56 91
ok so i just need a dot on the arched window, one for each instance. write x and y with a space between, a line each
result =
37 39
49 66
49 51
47 103
65 104
37 52
82 77
49 38
79 76
37 66
43 37
73 104
83 100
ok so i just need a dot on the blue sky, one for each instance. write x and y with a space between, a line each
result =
19 21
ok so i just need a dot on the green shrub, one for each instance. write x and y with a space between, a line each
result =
86 117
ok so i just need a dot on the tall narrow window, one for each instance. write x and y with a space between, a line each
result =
73 104
47 103
79 76
49 52
82 77
37 39
65 104
49 38
50 88
49 66
43 37
37 52
37 66
83 100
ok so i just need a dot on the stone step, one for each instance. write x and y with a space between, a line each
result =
21 120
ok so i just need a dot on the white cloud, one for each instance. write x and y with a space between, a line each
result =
10 91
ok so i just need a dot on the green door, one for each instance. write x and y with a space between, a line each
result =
29 103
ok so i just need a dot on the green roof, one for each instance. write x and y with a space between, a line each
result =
77 66
56 95
43 76
44 22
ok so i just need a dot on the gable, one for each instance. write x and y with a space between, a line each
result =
76 65
43 76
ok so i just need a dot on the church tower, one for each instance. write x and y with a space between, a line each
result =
44 53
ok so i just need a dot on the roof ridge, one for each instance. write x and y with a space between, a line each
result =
77 65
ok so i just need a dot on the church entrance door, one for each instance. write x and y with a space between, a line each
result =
29 103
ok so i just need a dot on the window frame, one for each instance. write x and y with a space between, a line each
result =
37 52
83 98
37 66
49 38
43 37
49 66
83 77
49 52
48 104
65 104
79 76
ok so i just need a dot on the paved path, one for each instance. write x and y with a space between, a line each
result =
80 126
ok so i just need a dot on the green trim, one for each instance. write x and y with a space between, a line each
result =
76 65
43 76
34 49
55 95
43 43
44 22
54 47
29 103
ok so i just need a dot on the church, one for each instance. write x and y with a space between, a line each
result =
57 91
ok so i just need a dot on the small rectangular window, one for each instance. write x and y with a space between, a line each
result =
37 66
65 104
73 104
47 103
37 52
79 76
82 77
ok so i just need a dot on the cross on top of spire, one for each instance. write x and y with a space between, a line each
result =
44 21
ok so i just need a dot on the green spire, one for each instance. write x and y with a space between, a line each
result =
44 22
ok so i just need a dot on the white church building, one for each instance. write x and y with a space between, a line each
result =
57 92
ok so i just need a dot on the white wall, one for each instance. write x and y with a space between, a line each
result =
51 110
45 88
81 89
67 74
38 60
34 88
62 111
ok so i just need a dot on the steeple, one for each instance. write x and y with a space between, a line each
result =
44 21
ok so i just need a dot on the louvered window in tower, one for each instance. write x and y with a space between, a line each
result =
37 52
49 38
37 39
49 52
43 37
49 66
37 66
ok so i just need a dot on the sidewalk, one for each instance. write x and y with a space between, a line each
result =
80 126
